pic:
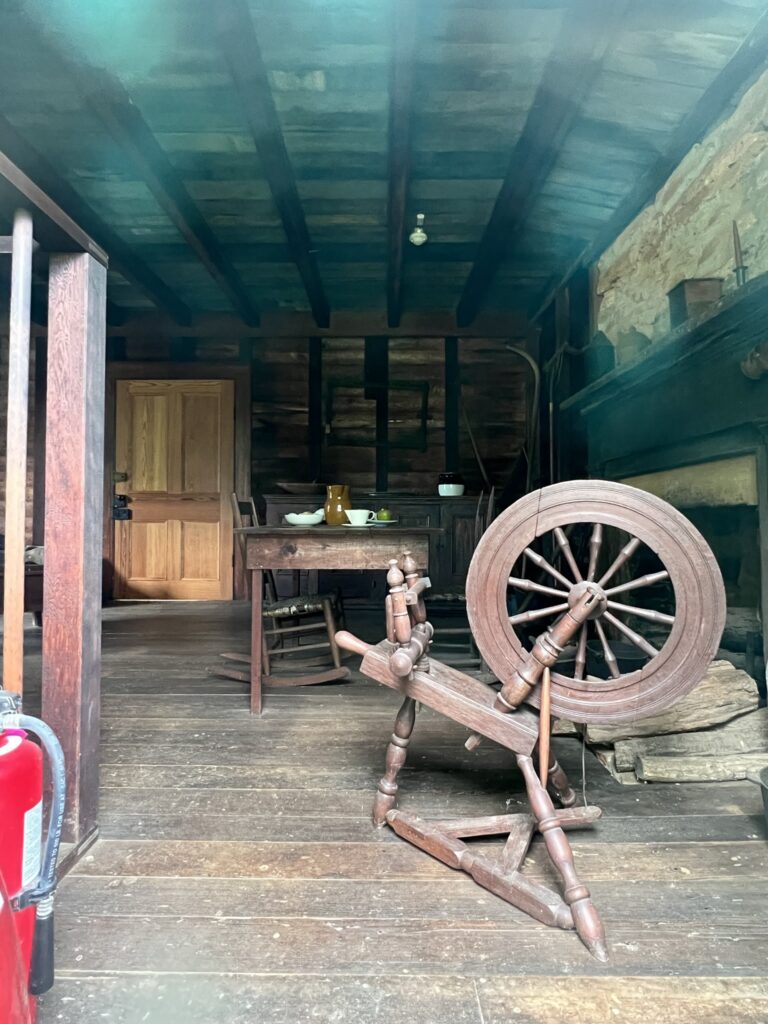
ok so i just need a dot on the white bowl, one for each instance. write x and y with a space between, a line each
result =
450 490
305 518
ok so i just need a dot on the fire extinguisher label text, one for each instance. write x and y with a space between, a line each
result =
33 838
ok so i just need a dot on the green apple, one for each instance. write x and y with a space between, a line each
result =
384 515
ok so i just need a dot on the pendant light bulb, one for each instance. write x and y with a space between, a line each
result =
418 236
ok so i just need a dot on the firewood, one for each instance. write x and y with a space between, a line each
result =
700 768
723 693
747 734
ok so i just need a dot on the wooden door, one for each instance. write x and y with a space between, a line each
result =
174 442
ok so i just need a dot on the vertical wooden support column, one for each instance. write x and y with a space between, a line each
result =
73 525
452 406
377 387
38 482
16 452
315 407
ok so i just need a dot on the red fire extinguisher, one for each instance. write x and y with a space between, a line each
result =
27 868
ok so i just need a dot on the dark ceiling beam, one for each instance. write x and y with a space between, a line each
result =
242 52
585 34
744 67
301 325
404 26
109 102
121 257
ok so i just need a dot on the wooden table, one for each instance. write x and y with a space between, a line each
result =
320 547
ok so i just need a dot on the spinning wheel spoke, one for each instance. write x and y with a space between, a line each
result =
621 559
565 547
631 635
581 654
642 613
542 563
595 543
539 613
641 581
537 588
610 657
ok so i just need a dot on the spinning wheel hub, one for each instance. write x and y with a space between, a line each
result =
600 604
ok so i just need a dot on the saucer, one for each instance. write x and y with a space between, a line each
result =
354 526
384 522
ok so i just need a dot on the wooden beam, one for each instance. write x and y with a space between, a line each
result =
315 407
73 526
281 324
122 258
405 23
16 453
38 467
107 98
376 375
18 189
246 65
744 67
109 102
452 406
586 31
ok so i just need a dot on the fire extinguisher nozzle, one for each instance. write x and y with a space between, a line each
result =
41 967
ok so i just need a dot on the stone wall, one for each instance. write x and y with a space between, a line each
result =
687 231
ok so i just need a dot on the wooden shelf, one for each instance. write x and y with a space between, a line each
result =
729 329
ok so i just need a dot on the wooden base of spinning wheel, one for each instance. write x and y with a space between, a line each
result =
502 875
585 585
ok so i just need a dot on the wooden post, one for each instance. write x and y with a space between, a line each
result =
315 407
452 406
377 387
16 452
73 526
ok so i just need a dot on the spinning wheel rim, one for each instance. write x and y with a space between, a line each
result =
694 574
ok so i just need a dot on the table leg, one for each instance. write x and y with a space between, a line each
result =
257 635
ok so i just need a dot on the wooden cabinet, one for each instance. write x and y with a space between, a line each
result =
450 549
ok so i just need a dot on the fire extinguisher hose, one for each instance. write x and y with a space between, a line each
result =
41 968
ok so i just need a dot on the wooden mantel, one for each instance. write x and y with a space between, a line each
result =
726 332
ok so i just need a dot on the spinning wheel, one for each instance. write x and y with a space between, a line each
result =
589 566
624 544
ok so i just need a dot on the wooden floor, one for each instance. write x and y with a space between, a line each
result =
238 878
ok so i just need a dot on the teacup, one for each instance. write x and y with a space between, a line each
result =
360 516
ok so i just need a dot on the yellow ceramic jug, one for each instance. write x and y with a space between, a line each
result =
336 504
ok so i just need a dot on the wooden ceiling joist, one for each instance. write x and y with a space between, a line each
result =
749 60
399 145
586 32
283 324
110 102
122 259
246 65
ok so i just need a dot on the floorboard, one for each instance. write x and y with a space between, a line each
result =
238 877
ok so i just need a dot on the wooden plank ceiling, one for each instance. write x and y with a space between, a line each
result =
244 156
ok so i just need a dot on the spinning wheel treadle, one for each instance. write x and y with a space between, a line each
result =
578 552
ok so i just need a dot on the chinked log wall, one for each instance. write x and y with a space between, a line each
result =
492 387
493 392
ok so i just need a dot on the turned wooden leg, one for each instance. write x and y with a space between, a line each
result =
330 628
585 916
558 784
386 797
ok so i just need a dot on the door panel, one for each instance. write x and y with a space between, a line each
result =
174 442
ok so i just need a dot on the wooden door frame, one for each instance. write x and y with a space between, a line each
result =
240 375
